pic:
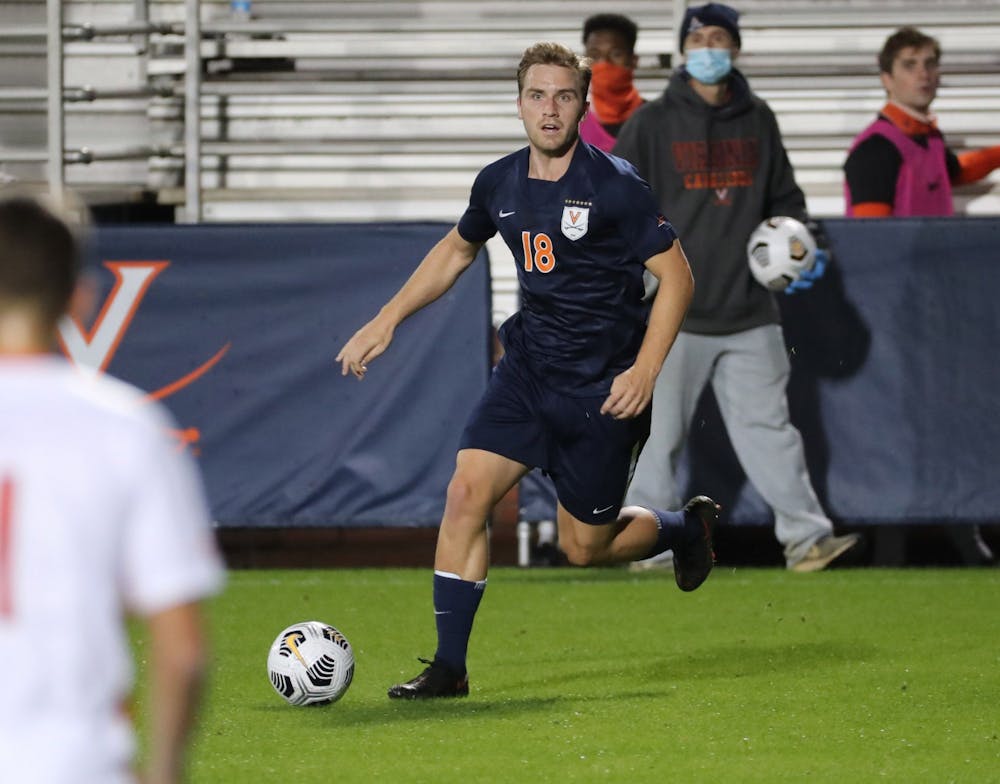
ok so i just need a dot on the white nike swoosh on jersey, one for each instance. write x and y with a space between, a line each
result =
505 214
598 511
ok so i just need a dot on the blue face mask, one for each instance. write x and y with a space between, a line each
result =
709 66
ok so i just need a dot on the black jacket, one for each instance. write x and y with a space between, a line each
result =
717 172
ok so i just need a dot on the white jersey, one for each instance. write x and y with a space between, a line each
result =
100 513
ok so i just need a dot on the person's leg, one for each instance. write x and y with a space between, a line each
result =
631 536
537 509
480 480
593 459
750 384
682 378
639 532
679 385
461 562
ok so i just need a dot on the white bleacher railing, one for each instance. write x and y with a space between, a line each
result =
45 144
385 109
192 112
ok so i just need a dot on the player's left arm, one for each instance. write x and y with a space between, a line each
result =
976 164
632 390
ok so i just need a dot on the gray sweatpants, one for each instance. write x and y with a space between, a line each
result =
749 375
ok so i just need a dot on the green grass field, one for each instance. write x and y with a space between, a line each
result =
761 675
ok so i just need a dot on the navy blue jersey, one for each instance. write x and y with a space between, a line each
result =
580 244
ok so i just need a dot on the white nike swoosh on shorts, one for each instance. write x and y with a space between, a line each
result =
506 214
598 511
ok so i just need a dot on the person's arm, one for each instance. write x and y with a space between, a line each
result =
433 277
976 164
177 671
168 562
632 390
872 209
783 195
871 171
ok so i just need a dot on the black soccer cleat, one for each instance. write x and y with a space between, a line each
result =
694 559
437 680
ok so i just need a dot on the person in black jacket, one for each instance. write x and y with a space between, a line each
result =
712 152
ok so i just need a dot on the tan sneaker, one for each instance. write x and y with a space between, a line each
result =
823 552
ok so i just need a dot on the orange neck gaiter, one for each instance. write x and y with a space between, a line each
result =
908 121
613 97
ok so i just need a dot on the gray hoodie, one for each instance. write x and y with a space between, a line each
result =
718 171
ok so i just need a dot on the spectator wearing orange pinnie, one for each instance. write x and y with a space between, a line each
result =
900 165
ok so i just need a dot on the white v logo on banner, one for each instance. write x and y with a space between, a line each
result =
94 350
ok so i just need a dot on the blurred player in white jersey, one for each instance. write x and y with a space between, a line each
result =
100 516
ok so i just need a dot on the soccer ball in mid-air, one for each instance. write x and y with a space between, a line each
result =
779 251
310 663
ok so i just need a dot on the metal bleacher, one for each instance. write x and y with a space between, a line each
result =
392 107
346 110
336 110
384 110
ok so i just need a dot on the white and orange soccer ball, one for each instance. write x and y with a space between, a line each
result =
310 663
780 249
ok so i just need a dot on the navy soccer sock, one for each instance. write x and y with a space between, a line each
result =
670 530
455 604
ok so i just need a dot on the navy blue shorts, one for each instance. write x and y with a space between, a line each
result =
589 455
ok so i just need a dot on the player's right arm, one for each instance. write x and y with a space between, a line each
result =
169 563
433 277
177 671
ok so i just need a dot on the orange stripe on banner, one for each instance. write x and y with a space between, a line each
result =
188 437
191 377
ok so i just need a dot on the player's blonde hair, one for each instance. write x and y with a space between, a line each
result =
550 53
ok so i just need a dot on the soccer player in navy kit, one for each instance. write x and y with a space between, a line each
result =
572 393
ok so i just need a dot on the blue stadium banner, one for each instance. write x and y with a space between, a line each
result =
893 386
894 378
235 328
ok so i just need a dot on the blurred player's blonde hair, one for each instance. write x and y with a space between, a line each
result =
550 53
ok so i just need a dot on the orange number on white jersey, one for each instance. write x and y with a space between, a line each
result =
538 254
6 524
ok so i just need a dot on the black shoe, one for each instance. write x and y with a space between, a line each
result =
693 560
546 554
438 680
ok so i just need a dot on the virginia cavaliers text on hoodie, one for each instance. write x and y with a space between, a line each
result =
718 171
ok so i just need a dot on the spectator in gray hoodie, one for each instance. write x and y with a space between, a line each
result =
712 153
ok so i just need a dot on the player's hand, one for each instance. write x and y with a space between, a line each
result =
631 392
366 344
807 278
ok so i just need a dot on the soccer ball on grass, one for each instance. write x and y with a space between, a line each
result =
779 251
310 663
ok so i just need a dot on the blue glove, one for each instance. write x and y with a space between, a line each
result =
807 278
